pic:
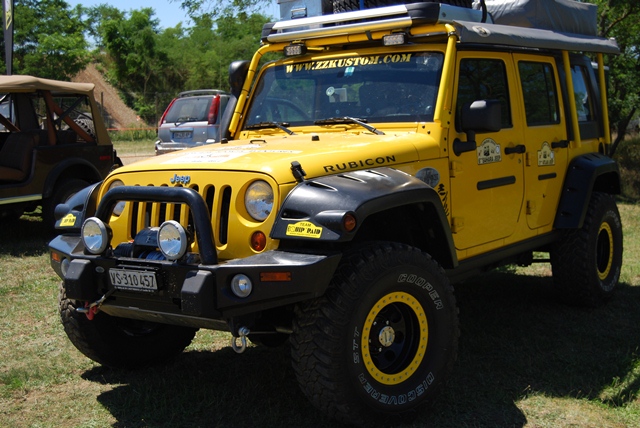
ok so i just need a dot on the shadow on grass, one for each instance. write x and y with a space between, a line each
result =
516 340
26 236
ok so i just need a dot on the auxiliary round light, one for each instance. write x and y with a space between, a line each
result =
64 266
95 235
241 285
119 208
258 200
172 240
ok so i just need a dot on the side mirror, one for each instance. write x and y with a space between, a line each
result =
477 117
237 75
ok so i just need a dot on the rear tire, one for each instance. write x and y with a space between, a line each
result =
382 339
586 263
119 342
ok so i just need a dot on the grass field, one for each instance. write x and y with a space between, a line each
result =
524 359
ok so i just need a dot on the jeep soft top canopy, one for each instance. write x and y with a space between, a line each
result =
18 83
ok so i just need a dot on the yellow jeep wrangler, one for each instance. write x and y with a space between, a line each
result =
388 153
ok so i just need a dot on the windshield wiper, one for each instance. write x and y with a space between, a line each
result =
348 119
262 125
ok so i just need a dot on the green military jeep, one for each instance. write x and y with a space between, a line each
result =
389 153
52 144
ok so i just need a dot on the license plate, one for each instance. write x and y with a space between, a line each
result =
182 134
136 280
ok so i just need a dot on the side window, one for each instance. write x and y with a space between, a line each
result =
539 92
584 101
483 79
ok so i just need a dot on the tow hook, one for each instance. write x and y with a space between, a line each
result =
243 332
91 309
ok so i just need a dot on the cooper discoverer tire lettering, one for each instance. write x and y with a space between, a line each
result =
381 340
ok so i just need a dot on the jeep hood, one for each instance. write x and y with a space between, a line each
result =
319 154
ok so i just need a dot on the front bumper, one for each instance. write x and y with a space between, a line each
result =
193 295
189 293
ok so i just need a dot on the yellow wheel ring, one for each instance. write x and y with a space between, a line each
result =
418 348
605 252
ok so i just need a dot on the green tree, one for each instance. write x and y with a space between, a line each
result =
217 8
48 39
621 19
136 62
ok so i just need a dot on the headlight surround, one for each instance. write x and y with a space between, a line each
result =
95 235
172 240
258 200
119 208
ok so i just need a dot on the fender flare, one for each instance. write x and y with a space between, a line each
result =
314 209
81 206
586 174
92 175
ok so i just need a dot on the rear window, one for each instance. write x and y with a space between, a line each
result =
191 109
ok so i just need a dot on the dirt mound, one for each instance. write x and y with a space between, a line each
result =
115 112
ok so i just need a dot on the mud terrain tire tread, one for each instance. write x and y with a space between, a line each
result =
321 327
95 338
574 259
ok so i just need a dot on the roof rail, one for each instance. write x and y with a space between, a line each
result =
200 92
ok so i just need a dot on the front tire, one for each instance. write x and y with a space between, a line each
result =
382 339
119 342
586 263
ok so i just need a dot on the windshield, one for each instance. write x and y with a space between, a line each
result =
380 88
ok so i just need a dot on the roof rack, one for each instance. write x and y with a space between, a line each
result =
468 23
197 92
377 19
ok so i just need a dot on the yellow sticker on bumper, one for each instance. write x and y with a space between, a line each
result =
68 221
304 228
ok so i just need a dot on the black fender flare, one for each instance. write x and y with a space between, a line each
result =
314 209
586 173
70 216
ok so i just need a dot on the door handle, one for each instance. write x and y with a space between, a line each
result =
562 144
520 148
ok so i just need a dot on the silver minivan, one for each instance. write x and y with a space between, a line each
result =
191 119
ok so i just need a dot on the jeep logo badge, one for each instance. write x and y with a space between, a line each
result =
180 179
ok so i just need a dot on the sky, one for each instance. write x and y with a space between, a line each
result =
169 13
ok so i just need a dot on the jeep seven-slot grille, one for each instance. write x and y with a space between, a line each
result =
153 214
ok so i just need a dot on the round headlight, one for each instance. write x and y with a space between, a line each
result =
172 240
95 235
119 208
258 200
241 285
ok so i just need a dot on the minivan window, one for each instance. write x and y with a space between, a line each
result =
189 109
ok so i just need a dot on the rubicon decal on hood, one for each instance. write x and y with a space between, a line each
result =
361 163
